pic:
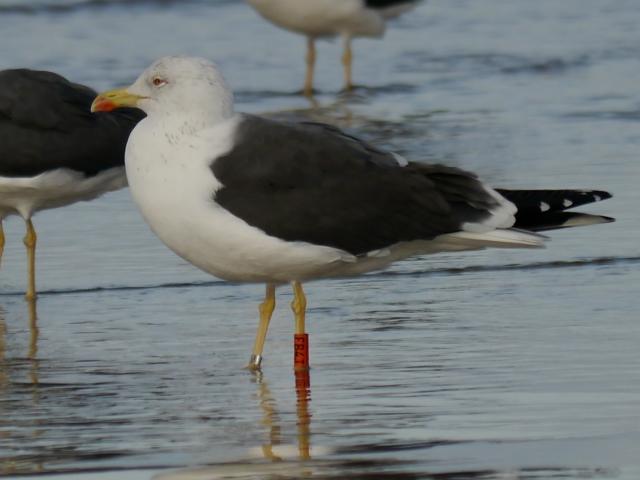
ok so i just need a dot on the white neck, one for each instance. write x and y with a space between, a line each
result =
194 116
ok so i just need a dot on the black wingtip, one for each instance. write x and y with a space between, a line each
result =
531 202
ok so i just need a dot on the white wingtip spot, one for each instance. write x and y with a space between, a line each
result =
544 206
501 216
567 203
402 162
597 198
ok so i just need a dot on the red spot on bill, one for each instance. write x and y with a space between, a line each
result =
102 104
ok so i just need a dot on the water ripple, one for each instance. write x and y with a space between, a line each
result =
600 261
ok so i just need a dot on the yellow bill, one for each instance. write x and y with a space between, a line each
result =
112 99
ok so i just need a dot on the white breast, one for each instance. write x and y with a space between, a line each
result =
173 185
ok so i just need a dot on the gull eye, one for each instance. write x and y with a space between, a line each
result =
158 82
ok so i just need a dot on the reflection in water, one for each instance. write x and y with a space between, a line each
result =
271 418
5 467
4 377
281 464
13 367
284 451
303 397
336 112
33 330
357 462
32 355
382 132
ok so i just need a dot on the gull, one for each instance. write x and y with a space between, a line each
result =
330 18
53 151
249 199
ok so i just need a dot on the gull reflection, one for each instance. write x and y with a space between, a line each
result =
274 449
32 354
13 369
283 461
336 113
303 397
33 330
8 364
4 375
270 418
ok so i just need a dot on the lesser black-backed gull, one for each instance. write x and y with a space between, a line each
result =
53 151
249 199
330 18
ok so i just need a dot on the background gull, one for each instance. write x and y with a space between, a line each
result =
53 151
330 18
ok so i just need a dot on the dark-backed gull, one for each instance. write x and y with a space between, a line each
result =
53 151
330 18
249 199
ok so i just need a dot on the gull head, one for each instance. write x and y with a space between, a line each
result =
175 86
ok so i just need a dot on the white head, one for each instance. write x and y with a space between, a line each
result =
175 86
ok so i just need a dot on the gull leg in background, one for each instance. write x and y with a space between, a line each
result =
347 62
311 62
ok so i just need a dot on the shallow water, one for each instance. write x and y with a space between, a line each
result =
487 365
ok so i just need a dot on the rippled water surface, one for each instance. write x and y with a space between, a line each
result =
483 365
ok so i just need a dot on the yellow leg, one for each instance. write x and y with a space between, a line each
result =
30 242
299 306
4 376
1 240
311 61
347 61
266 310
